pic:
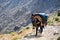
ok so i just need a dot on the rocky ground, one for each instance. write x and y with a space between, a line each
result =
49 33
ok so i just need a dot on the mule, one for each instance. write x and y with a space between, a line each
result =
38 22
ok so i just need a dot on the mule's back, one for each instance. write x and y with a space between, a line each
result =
42 19
36 20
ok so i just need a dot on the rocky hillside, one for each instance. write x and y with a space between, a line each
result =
54 19
14 14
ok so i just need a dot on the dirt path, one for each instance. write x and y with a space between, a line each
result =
49 33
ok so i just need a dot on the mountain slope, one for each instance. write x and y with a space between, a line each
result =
16 13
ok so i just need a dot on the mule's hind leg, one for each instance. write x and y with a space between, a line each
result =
41 29
36 31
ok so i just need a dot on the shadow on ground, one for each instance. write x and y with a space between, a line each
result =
33 36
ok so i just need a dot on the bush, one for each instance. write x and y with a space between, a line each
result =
56 19
15 38
58 14
11 32
58 38
27 28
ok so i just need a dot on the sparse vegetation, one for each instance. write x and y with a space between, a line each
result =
58 38
50 22
53 19
58 14
27 27
57 19
15 38
10 32
21 32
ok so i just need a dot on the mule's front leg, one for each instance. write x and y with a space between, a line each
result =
36 31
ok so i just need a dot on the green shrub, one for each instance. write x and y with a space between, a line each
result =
58 14
15 38
58 38
10 32
27 28
56 19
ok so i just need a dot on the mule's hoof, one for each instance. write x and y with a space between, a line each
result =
40 31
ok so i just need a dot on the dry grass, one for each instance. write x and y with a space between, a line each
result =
14 35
